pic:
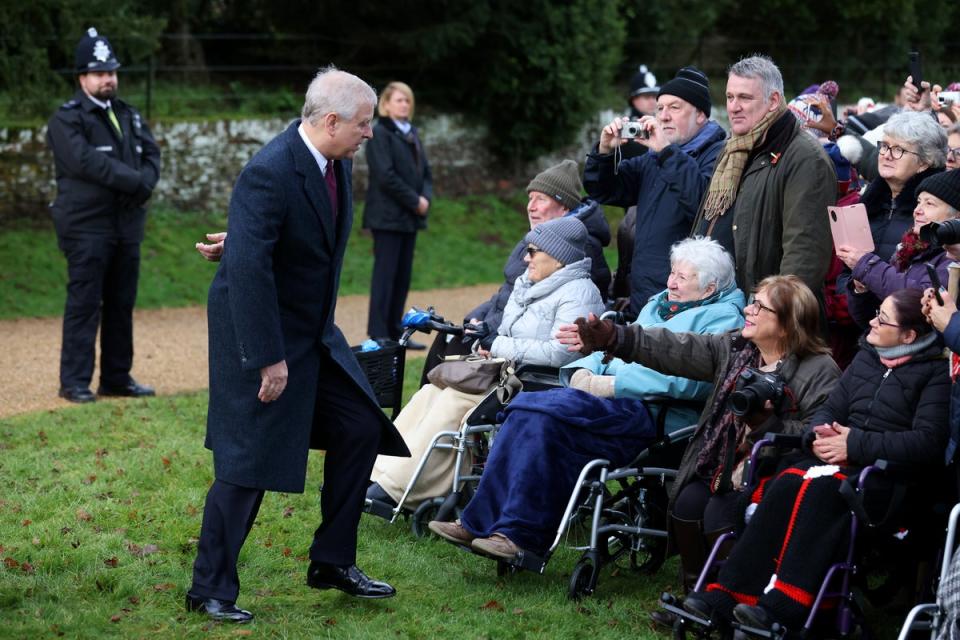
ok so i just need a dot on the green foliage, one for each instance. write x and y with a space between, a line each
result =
466 244
99 516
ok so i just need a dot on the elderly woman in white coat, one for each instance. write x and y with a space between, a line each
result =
555 289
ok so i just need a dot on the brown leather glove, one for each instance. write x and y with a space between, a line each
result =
596 335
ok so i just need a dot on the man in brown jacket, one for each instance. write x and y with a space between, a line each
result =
768 197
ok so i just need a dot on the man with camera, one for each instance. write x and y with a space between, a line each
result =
666 183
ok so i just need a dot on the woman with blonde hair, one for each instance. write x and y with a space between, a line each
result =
399 191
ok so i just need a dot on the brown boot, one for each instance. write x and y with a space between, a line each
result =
496 546
451 531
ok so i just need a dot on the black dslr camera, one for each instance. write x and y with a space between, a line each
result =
940 233
754 388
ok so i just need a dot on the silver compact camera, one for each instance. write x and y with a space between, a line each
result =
947 97
634 129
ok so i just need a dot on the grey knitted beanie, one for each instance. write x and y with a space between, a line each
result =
560 182
564 239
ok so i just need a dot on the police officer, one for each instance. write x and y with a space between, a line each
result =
107 164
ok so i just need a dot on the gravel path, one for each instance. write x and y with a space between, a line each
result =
171 347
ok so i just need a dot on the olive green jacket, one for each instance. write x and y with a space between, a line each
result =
780 223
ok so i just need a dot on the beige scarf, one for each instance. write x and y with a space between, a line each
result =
722 191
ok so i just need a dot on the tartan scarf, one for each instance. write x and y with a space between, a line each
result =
722 191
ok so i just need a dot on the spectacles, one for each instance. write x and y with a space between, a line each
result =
884 323
953 152
896 152
532 251
753 302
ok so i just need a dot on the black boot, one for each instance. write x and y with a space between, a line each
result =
689 541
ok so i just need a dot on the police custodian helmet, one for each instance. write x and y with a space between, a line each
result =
94 53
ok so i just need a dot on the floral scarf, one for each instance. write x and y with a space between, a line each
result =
909 248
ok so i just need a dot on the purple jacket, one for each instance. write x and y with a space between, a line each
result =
882 279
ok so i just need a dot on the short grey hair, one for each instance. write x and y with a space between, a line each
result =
713 263
335 91
923 130
763 68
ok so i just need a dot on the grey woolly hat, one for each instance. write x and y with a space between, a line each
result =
560 182
563 239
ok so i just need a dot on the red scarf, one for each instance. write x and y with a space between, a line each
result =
910 247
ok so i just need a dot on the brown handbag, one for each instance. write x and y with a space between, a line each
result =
470 374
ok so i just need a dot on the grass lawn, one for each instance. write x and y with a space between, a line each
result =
102 504
466 244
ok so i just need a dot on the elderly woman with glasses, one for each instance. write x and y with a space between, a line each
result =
913 148
874 278
953 147
780 338
891 403
555 433
554 290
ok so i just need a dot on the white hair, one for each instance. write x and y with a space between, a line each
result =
712 262
335 91
762 68
921 130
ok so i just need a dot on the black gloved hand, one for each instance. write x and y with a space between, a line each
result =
141 195
476 331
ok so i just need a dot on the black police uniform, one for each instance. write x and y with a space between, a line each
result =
104 177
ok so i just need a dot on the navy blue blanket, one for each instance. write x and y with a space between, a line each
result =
545 440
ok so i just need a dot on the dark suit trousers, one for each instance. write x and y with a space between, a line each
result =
392 270
352 438
101 289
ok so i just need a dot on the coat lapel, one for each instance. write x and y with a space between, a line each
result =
313 184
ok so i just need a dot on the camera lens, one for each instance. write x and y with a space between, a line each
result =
948 232
743 402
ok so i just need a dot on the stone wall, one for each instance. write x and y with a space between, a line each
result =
202 159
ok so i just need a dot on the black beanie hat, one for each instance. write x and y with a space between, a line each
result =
945 185
691 85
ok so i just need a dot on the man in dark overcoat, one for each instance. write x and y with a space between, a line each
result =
282 378
107 165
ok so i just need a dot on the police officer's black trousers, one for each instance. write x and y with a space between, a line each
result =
392 270
101 292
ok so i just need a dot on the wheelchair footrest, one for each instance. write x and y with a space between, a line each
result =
378 508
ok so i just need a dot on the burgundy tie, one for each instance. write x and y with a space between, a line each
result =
330 177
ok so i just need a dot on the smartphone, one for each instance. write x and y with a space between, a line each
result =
934 282
850 226
916 70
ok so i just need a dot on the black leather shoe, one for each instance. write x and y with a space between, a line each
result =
413 345
218 609
698 606
663 618
376 492
753 616
77 394
133 389
350 580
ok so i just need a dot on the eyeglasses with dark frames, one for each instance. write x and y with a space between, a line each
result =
884 323
896 152
753 302
532 251
953 152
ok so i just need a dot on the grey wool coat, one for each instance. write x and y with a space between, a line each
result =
273 298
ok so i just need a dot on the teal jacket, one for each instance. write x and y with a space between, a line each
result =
639 382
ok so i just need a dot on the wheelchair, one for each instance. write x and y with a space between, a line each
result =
470 441
837 586
932 617
623 509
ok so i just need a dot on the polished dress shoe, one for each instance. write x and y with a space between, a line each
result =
375 492
753 616
349 579
218 610
132 389
77 394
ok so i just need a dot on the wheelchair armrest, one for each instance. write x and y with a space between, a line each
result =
666 404
537 377
778 440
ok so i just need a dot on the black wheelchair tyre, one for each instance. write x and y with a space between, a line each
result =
423 515
582 579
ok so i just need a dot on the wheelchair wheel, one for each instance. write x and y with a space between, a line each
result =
583 579
425 512
649 553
